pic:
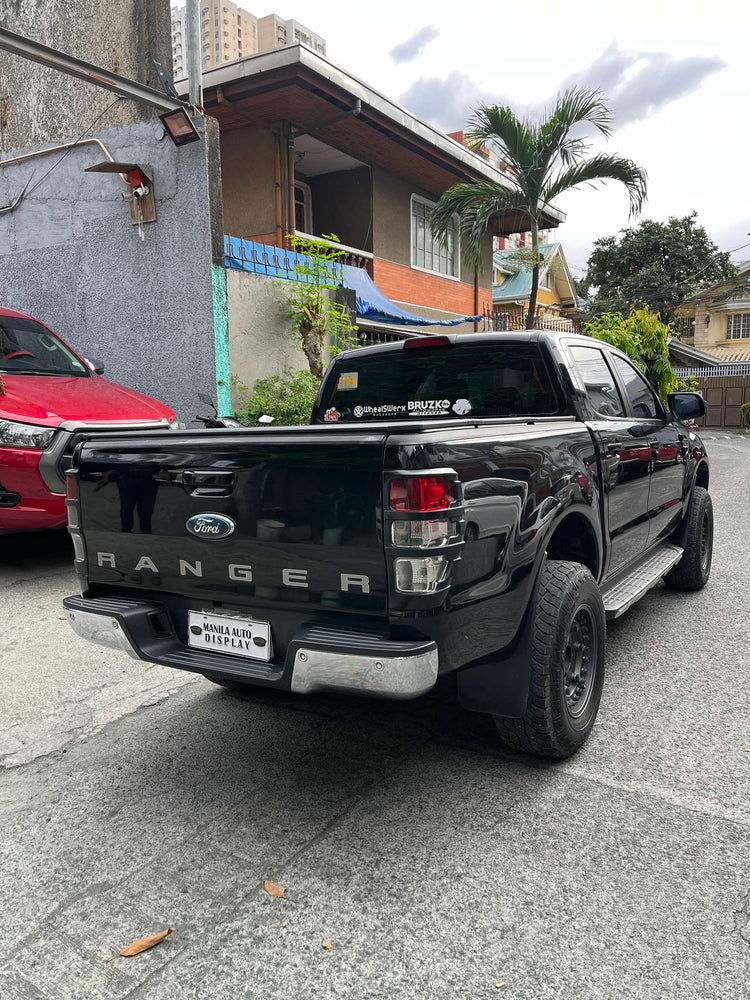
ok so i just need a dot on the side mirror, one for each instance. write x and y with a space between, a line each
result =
686 405
95 366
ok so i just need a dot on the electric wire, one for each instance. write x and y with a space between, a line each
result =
72 147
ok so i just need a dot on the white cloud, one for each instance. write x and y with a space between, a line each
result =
635 84
413 46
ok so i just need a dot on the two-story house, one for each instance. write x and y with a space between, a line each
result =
719 319
558 305
308 148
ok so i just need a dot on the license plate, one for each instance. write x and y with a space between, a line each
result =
229 634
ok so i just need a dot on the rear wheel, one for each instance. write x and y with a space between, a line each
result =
567 665
693 570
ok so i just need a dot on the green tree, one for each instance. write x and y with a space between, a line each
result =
545 158
643 337
654 264
315 315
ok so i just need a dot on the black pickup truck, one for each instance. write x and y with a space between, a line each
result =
471 503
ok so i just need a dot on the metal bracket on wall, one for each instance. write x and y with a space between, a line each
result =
141 188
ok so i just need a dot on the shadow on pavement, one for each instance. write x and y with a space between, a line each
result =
33 550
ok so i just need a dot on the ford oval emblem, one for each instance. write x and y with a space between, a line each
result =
210 525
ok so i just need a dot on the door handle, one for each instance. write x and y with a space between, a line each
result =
209 482
614 447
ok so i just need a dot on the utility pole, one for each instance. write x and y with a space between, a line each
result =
194 53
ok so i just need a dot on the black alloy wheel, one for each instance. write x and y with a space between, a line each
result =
693 570
567 665
580 662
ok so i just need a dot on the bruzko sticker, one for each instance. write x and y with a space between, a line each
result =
421 406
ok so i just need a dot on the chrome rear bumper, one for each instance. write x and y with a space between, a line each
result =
381 677
319 658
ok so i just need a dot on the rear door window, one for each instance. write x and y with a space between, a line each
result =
601 389
451 381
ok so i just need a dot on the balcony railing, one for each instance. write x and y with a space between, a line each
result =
261 258
277 262
350 255
501 322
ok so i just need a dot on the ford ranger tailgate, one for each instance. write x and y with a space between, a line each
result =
287 518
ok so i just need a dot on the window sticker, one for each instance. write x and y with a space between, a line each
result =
385 410
461 406
332 414
419 407
348 380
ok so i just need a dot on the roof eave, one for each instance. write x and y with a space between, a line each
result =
300 55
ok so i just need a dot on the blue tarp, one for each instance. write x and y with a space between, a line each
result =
372 304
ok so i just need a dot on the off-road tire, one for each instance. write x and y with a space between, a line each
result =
568 595
693 570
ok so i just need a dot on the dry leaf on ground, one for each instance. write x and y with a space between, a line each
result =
327 945
142 944
499 986
277 891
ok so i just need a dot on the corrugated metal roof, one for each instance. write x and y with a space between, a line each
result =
729 354
519 285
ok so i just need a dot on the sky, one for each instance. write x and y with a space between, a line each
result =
675 74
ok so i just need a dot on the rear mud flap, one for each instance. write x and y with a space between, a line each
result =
500 686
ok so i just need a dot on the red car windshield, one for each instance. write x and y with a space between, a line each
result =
27 348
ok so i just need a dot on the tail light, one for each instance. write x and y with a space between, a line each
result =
422 493
423 534
438 497
424 343
422 575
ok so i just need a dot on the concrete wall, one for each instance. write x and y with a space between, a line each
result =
248 182
259 331
70 256
39 105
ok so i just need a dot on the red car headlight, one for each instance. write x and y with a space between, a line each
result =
15 435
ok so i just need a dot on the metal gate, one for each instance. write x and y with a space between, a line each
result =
724 395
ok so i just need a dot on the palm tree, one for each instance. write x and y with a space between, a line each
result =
544 159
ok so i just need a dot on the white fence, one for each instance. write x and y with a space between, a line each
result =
720 371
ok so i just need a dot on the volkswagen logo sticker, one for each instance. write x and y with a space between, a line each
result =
210 525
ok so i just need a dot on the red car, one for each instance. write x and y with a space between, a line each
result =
48 396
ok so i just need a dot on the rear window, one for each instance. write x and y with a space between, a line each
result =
457 381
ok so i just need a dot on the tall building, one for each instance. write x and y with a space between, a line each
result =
179 42
275 32
229 32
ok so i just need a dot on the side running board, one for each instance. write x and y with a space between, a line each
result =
624 591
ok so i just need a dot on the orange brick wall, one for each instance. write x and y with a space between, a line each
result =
404 284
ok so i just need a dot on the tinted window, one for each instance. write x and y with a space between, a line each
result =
639 393
603 394
451 381
26 347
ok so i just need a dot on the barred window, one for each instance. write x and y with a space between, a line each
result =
426 252
738 326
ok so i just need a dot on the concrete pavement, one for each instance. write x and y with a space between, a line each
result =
435 864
